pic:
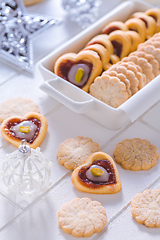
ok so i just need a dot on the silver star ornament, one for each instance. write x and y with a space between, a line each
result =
17 29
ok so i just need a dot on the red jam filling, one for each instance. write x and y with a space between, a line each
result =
106 164
108 30
65 67
14 122
117 48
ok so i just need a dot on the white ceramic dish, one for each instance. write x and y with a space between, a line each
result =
81 102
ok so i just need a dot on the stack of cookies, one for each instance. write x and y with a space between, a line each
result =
123 79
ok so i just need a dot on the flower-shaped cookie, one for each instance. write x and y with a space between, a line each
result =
32 127
136 154
146 208
97 175
82 217
74 151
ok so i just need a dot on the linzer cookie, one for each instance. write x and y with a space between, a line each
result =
74 151
113 26
149 22
136 154
79 69
121 42
17 106
82 217
32 127
97 175
145 208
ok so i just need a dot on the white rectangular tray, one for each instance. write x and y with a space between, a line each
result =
81 102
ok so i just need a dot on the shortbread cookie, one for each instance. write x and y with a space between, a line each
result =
150 58
122 78
145 208
32 127
98 175
137 71
129 75
82 217
150 49
109 90
136 154
74 151
17 106
79 69
144 64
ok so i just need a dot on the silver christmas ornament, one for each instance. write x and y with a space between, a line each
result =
26 171
17 29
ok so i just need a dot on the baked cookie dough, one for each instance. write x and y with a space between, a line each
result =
17 106
98 175
82 217
145 208
74 151
32 127
136 154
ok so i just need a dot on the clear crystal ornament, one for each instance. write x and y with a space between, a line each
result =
84 12
26 171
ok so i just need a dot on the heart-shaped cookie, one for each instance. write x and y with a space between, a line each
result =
79 69
98 175
32 127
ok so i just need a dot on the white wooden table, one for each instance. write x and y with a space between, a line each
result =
37 219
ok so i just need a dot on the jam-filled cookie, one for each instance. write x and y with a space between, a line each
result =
121 43
32 127
98 175
105 42
155 13
149 22
137 25
79 69
102 52
113 26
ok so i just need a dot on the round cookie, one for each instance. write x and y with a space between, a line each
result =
74 151
110 90
136 154
150 58
82 217
145 208
17 106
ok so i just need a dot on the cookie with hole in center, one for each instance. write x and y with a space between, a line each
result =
98 175
32 127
